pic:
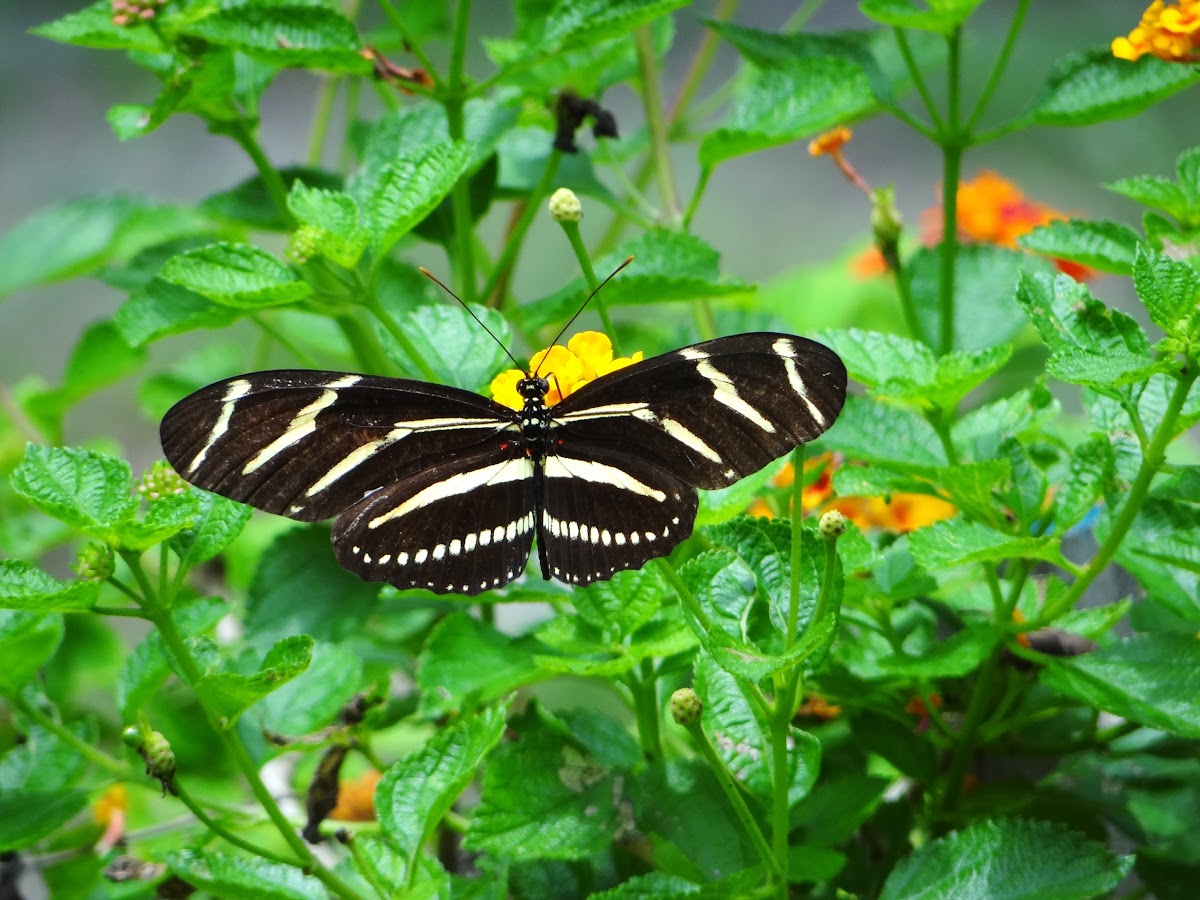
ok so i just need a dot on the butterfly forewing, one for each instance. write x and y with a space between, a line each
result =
606 512
308 444
463 526
711 413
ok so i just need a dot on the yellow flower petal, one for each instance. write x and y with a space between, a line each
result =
594 350
620 363
504 389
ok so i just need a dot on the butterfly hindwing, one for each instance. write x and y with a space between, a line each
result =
308 444
606 512
464 526
714 412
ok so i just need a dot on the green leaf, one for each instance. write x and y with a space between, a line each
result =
985 275
881 433
1008 859
28 816
957 542
416 793
939 17
874 357
543 798
27 642
807 83
237 275
1094 86
668 266
165 517
243 877
82 236
214 526
1157 193
452 344
313 699
93 26
897 742
958 655
1182 484
1103 372
336 219
743 740
409 188
524 153
84 489
231 694
25 586
467 663
147 667
161 309
1091 472
298 34
35 777
1151 678
1105 245
624 603
300 563
100 358
582 23
251 203
1171 291
838 805
725 503
955 375
980 432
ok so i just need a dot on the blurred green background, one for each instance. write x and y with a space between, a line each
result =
767 214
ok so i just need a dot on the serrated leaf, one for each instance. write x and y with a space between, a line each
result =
82 236
335 219
1182 484
897 742
874 357
1103 371
300 563
1157 193
415 793
214 526
1104 245
243 877
624 603
250 202
1094 86
24 586
582 23
980 432
1090 473
237 275
985 275
44 761
1171 291
940 18
84 489
313 698
957 543
27 642
165 517
161 309
300 34
956 656
955 375
468 663
543 798
877 432
231 694
451 343
1068 317
822 81
93 26
1008 859
409 188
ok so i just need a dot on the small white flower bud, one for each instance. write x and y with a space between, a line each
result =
565 206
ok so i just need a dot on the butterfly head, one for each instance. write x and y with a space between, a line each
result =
533 387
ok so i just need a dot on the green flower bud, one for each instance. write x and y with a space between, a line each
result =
305 244
160 758
686 706
131 737
159 481
95 562
565 206
832 525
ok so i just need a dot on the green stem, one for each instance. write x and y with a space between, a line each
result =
1001 65
1134 498
646 706
283 341
322 113
366 869
220 830
685 595
907 306
270 176
781 723
571 230
656 124
952 150
533 205
734 795
912 121
365 346
977 708
697 193
397 22
126 611
410 350
914 72
793 610
460 196
94 755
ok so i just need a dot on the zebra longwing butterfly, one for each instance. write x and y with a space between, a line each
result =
439 488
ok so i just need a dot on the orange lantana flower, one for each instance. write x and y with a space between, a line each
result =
829 142
1171 33
356 798
587 356
990 210
901 512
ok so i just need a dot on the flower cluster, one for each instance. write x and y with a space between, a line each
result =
990 210
587 356
1168 32
160 481
128 12
902 512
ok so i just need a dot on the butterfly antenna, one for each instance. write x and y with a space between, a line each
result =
582 307
424 271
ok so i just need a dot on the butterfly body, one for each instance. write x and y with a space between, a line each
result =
439 488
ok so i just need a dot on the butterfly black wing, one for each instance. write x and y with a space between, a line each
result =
631 447
312 445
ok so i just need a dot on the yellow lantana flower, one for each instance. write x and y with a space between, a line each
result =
1171 33
587 356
